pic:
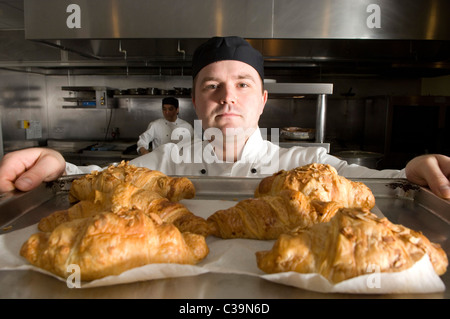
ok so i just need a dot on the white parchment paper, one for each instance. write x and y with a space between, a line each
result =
237 256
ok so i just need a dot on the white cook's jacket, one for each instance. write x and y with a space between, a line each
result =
160 132
259 158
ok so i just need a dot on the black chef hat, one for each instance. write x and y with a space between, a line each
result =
227 48
170 100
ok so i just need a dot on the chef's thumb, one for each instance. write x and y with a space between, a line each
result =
441 187
46 168
445 191
27 182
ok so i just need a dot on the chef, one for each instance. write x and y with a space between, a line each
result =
160 131
228 97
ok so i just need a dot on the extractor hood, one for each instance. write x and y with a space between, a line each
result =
321 36
263 19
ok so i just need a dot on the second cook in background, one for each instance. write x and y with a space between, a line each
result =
160 131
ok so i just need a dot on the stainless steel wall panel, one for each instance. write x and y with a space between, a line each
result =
302 19
350 19
22 97
103 19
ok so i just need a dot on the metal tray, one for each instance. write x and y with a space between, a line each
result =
397 199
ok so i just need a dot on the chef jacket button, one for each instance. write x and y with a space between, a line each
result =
253 170
203 171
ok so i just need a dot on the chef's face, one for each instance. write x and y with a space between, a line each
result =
170 112
229 94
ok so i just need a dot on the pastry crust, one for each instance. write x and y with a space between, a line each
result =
350 245
298 198
125 187
318 182
125 217
172 188
268 217
110 243
124 197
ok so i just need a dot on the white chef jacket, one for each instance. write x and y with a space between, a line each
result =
259 158
160 132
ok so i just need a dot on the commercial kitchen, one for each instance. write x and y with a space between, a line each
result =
367 80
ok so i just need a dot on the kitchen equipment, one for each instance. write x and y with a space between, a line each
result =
397 199
367 159
153 91
141 91
297 133
182 91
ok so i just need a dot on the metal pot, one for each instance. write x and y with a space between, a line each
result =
367 159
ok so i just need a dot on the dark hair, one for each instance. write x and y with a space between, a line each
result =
170 100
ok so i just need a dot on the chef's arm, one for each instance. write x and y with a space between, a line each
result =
144 141
26 169
432 170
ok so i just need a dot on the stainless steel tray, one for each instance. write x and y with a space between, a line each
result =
398 200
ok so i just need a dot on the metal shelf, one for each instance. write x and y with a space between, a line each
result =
300 89
147 96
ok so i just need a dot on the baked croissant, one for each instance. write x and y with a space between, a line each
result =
111 243
267 217
319 182
173 188
81 209
350 245
124 197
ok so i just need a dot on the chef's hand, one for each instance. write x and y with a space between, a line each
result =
143 151
26 169
432 171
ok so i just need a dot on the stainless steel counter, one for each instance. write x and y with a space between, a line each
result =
93 152
399 201
288 144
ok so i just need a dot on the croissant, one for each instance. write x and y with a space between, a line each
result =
320 182
267 217
173 188
111 243
81 209
126 197
351 244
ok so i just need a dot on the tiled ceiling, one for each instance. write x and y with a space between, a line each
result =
11 15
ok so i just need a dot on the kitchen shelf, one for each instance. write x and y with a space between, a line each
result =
77 99
321 90
147 96
79 106
86 88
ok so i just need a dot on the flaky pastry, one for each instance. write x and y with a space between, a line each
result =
318 182
105 181
111 243
126 196
267 217
353 243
